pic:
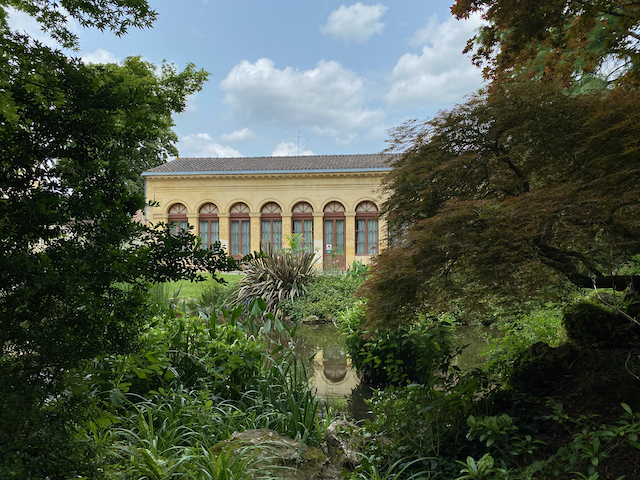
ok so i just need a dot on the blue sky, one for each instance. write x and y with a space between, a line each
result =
337 74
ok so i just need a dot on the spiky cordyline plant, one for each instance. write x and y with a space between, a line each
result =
275 276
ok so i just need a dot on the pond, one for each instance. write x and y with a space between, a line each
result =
338 383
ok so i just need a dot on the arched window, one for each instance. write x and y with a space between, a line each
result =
209 225
366 228
178 218
271 226
334 253
302 224
240 244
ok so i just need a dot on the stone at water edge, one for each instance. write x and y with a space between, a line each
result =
282 453
341 438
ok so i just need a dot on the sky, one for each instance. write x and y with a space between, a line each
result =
298 77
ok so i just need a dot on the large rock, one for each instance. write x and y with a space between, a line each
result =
282 457
341 439
545 367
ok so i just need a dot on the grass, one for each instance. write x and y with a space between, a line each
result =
194 289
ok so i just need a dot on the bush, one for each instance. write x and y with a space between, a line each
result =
325 298
588 323
215 294
192 384
275 276
187 352
50 444
424 425
519 334
411 353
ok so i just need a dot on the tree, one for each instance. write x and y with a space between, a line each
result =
75 266
115 15
514 193
560 40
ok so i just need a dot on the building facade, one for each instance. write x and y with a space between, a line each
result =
330 201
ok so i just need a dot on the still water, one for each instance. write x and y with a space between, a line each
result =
332 373
336 380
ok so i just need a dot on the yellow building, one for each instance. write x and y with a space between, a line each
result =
332 201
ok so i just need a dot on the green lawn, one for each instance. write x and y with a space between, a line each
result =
194 289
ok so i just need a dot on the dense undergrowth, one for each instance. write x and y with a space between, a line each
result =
550 400
162 412
553 398
327 295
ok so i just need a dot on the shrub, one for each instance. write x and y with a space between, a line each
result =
215 294
326 296
187 352
520 333
588 323
275 276
50 443
411 353
357 269
424 425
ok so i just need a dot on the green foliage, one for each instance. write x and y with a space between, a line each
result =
297 411
393 357
357 269
74 139
589 444
225 359
215 294
498 200
591 441
296 242
174 434
632 267
192 291
276 276
425 423
325 298
517 335
193 354
114 15
500 433
561 41
194 383
400 469
482 469
46 439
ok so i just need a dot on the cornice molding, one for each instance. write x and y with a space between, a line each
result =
168 176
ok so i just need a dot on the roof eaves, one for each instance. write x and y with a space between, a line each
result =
263 172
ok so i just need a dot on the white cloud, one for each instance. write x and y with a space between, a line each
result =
356 23
289 149
25 23
378 132
440 74
191 105
100 56
328 98
202 145
238 136
347 140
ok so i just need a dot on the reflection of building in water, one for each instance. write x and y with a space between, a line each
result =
333 373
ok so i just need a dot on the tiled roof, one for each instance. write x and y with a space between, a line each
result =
324 163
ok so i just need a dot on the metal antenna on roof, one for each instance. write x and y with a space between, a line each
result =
299 132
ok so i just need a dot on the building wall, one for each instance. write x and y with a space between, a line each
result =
193 191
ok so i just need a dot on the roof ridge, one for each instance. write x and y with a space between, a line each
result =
290 156
302 163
